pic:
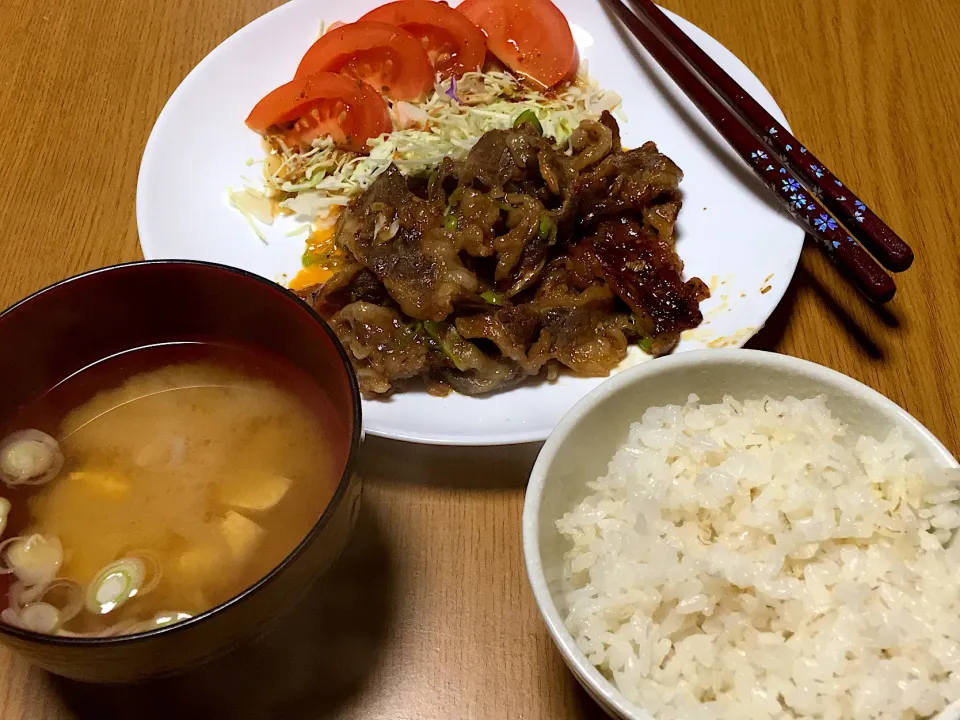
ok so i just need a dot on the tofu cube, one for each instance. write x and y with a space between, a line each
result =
254 492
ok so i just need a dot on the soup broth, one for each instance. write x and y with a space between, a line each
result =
189 472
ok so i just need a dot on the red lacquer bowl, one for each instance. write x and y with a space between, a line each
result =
66 327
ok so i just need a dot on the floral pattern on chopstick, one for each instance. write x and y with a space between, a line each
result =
824 222
860 210
801 202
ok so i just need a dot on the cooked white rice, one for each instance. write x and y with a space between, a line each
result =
758 560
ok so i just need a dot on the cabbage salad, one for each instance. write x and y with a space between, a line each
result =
315 184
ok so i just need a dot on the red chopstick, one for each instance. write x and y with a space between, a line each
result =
849 257
885 245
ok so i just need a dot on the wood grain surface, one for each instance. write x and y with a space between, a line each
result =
429 616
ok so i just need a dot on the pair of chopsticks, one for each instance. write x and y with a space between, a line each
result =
801 183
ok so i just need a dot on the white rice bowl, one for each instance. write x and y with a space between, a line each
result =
759 560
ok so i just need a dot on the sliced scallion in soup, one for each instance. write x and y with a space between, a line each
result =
155 485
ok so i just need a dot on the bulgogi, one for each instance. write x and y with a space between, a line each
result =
520 260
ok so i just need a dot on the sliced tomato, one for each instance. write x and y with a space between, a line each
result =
453 43
384 56
531 37
326 103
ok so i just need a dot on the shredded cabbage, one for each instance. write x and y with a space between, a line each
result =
245 201
316 183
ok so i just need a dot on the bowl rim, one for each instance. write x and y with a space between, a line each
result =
580 666
356 437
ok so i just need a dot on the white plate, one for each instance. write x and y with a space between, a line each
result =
730 233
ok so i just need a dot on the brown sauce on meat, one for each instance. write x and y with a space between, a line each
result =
517 261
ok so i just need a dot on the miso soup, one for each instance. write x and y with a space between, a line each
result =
157 484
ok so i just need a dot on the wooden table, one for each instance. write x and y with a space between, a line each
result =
431 617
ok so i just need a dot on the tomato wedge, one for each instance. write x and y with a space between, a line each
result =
531 37
384 56
453 43
321 104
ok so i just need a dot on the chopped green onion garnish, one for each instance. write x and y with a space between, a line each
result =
529 117
308 259
114 585
492 298
432 328
34 559
646 344
548 227
450 222
434 331
39 617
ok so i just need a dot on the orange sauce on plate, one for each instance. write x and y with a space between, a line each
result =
320 260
